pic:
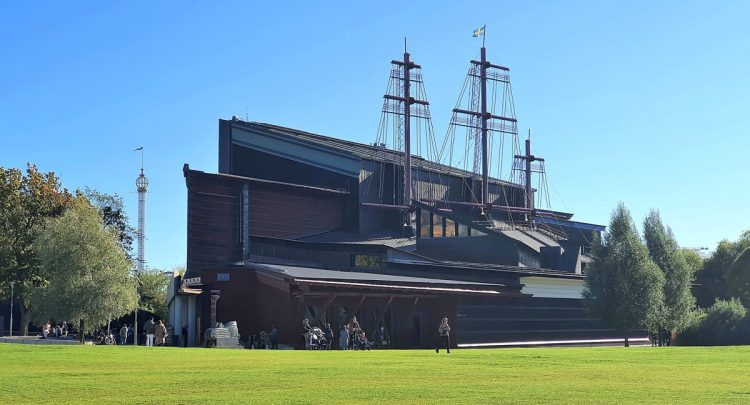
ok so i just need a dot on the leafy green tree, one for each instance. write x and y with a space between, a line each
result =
739 278
623 286
26 203
152 288
87 270
678 276
112 209
693 259
712 278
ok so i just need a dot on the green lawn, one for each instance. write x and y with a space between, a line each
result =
99 374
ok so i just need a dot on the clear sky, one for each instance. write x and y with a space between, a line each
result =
642 102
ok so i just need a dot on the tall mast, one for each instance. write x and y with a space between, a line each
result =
405 101
485 116
407 127
480 120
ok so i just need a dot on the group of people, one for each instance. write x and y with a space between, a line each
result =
352 336
156 333
265 340
57 330
661 338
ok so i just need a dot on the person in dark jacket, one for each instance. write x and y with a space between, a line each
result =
149 328
444 330
274 337
329 335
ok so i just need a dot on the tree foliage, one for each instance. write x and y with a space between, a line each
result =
26 203
739 278
712 278
152 288
678 276
112 209
623 285
88 272
726 322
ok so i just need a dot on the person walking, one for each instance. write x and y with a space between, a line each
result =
444 330
161 333
148 328
353 327
124 334
329 336
274 337
306 331
343 338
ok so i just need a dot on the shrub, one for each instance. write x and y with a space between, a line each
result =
724 323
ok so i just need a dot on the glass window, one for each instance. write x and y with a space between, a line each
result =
463 230
450 228
475 232
367 261
437 226
424 230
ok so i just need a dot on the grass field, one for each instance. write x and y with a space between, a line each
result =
100 374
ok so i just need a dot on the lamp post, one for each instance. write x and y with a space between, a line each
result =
12 284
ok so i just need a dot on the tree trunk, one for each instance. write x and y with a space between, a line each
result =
81 335
25 319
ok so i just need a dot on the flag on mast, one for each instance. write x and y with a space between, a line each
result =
479 32
137 149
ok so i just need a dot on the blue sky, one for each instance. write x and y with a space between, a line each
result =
644 102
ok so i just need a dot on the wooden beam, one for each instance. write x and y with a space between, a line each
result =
354 313
325 308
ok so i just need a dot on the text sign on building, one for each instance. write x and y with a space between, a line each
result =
192 281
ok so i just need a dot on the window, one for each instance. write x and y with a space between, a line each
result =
367 261
475 232
437 226
463 230
424 228
450 228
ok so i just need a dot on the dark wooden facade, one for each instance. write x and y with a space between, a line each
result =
217 218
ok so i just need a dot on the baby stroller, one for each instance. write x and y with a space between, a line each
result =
317 339
360 340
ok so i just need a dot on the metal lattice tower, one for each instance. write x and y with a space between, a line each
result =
142 184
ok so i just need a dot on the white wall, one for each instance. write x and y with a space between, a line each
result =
549 287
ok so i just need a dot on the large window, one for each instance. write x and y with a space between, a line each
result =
367 261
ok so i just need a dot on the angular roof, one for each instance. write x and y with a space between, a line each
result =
359 150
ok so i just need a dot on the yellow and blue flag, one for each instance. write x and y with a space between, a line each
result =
479 32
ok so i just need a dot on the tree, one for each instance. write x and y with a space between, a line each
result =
693 259
112 209
88 272
678 276
26 203
739 278
152 288
712 278
623 286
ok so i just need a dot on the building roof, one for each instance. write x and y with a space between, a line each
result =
360 150
385 238
312 273
186 171
519 270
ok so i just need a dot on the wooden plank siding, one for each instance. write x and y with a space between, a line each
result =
277 210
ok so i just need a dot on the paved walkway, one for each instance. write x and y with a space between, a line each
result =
36 340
